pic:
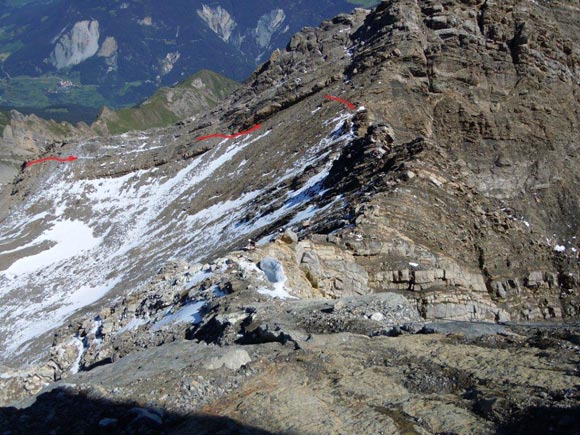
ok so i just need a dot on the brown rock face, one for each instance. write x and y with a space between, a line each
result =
483 99
463 164
27 136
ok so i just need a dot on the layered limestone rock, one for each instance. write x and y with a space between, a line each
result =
394 195
208 300
275 360
77 45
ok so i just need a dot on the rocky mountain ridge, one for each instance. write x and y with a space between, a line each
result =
446 195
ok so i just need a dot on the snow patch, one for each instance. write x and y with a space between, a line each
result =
275 274
197 278
72 238
81 349
311 211
190 313
33 319
132 325
217 291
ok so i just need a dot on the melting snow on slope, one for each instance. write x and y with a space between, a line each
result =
190 313
311 211
80 345
132 325
137 228
76 268
312 188
72 238
37 317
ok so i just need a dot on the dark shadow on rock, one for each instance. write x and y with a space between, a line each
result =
544 420
64 412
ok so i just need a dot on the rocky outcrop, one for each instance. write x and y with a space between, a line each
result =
27 136
110 51
267 25
219 20
169 61
77 45
465 382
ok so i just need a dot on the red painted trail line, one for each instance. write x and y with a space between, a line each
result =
231 136
341 100
56 159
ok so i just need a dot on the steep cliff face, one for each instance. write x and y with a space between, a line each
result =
491 185
77 45
424 151
219 21
268 24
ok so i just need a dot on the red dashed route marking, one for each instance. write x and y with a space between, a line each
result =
46 159
231 136
211 136
341 100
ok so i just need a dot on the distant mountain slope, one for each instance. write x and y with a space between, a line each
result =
22 137
118 53
199 92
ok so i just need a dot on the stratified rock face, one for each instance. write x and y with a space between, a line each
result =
77 45
219 21
489 191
